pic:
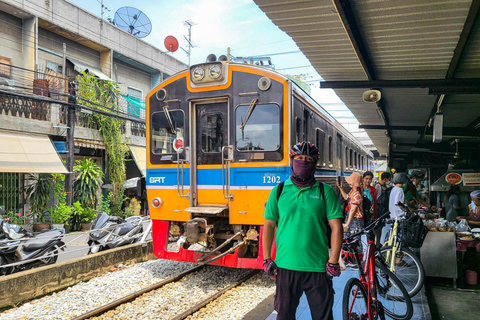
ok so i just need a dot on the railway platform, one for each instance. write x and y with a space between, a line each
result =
420 303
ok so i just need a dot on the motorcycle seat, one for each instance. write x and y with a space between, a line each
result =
42 240
125 229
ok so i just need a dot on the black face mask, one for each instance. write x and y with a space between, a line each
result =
303 172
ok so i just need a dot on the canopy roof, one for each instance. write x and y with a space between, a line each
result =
376 42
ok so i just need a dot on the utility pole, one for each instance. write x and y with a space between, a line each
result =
70 176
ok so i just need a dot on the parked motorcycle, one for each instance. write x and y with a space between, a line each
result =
17 246
108 232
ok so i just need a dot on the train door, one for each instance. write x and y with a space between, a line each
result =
210 126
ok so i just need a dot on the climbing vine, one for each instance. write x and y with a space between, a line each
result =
102 95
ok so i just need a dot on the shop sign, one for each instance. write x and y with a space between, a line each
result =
471 179
453 178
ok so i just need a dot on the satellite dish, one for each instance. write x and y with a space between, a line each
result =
171 43
133 21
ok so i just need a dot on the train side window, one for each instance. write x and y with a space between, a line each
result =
298 126
330 151
212 132
319 142
164 133
339 150
261 132
356 167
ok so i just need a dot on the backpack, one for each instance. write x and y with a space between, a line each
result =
383 200
322 193
366 208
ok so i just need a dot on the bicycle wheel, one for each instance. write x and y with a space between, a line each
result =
408 268
355 301
392 294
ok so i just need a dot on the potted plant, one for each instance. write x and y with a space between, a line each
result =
13 217
38 193
61 212
88 181
87 215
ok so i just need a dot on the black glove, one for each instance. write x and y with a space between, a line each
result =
269 266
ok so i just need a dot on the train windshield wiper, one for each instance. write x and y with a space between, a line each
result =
250 109
168 116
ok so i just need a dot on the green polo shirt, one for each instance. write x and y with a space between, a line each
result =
301 236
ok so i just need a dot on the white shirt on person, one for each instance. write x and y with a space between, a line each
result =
396 196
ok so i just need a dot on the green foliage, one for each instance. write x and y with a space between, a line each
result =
104 204
14 218
133 208
87 182
87 215
38 194
102 95
61 212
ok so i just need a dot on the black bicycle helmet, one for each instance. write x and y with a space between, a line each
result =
418 174
306 148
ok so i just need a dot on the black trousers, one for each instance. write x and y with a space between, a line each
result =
290 287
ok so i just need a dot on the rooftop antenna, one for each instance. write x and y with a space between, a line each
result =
103 9
189 24
133 21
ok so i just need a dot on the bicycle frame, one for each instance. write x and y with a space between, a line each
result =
392 241
368 276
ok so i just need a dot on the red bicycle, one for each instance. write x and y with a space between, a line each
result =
377 292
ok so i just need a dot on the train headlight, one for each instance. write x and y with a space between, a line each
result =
198 74
157 202
215 71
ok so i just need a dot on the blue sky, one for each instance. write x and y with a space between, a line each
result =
238 24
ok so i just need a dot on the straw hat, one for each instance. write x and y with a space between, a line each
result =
355 179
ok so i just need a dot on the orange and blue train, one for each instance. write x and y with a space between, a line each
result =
218 138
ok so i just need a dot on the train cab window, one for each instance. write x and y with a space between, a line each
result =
212 132
165 130
261 130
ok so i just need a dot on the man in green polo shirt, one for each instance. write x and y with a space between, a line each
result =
300 213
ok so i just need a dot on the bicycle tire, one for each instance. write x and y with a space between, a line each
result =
412 275
349 286
392 292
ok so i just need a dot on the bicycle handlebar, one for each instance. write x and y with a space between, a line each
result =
370 226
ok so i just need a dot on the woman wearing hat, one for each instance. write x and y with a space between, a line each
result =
354 210
473 217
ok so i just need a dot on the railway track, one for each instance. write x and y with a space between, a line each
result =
190 311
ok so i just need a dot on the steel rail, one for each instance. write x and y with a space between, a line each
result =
203 303
132 296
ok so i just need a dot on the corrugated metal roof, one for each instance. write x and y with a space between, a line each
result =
408 39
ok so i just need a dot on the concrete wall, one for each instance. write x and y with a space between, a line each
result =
54 43
31 284
91 30
129 76
10 38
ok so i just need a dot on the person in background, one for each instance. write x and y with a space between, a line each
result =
410 190
397 195
473 217
452 203
354 221
381 187
301 212
370 193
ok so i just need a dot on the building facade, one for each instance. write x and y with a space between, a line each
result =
44 46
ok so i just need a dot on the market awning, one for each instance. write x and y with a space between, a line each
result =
140 157
81 66
28 153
